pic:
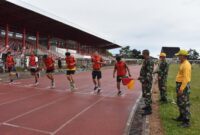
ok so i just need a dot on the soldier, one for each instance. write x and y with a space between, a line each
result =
146 80
162 77
183 79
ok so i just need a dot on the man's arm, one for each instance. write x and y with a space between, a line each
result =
114 71
127 68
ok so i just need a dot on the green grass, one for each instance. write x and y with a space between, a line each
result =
168 111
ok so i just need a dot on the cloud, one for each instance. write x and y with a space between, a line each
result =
139 23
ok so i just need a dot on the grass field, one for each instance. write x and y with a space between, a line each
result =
168 111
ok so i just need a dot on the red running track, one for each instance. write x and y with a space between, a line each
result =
28 110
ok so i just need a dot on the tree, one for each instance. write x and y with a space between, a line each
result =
136 54
193 54
125 52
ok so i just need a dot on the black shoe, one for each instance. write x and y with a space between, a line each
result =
147 112
99 90
178 119
184 125
119 93
95 88
144 108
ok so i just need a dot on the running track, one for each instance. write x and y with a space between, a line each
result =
28 110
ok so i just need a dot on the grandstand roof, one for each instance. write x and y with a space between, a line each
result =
21 15
170 51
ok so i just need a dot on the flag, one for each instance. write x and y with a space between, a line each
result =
129 82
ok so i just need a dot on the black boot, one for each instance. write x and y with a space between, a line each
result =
148 111
179 118
185 123
144 108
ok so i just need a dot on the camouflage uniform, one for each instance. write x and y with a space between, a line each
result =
183 101
146 80
162 79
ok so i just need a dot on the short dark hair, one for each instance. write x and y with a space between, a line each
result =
45 56
8 53
67 54
145 52
118 58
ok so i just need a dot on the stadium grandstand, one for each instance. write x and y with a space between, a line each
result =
25 28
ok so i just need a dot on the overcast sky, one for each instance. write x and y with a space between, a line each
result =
141 24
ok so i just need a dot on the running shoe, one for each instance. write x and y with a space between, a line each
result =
119 93
95 88
99 90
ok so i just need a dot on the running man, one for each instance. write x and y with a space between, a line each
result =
121 68
97 62
33 66
71 69
10 65
49 66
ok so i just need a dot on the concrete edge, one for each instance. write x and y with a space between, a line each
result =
131 116
146 128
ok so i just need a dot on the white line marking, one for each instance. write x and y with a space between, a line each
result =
131 116
27 128
16 100
35 109
78 114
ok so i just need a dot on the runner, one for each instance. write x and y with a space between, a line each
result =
121 68
71 69
10 65
33 66
96 73
49 66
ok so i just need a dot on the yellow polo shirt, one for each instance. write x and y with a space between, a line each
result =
184 74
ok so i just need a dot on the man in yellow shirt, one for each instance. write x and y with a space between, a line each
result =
183 79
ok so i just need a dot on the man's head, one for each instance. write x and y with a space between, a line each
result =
96 53
162 56
145 54
8 53
182 55
118 58
67 54
32 53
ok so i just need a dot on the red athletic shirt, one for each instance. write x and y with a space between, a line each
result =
121 68
10 61
49 63
95 60
70 61
32 61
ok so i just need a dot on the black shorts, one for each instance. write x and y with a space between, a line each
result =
70 72
96 74
119 78
49 71
34 70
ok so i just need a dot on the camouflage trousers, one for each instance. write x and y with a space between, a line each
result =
183 101
146 92
163 89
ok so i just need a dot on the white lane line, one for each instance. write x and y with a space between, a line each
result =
78 114
131 116
16 100
27 128
35 109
